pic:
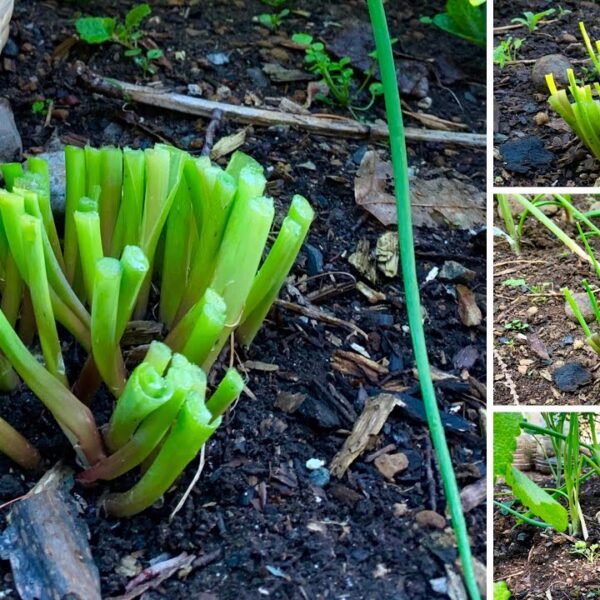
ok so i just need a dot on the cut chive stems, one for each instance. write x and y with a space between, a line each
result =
239 256
227 392
555 229
129 221
145 391
158 356
40 166
105 346
75 165
176 255
193 427
111 182
272 274
89 241
40 295
210 321
66 408
135 269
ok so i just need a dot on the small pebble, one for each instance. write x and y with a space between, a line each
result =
571 376
319 477
557 64
430 518
582 300
454 272
314 463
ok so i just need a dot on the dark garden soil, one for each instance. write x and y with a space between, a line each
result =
259 523
533 339
537 563
523 120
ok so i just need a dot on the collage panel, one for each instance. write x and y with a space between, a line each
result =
243 300
546 479
545 291
546 120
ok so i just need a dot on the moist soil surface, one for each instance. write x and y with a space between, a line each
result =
533 338
258 522
537 563
552 155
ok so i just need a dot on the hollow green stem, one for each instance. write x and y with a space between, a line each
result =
75 165
272 274
111 181
39 166
411 286
129 221
212 193
576 311
145 391
521 516
193 427
237 263
10 173
176 259
158 356
66 408
149 433
135 269
207 329
227 392
89 239
105 346
31 232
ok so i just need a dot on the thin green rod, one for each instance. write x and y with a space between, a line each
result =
411 287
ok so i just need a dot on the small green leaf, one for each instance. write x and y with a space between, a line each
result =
95 30
303 39
136 15
538 501
501 591
133 52
154 53
514 282
507 427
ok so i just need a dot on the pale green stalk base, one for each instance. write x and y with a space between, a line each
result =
227 392
145 391
17 448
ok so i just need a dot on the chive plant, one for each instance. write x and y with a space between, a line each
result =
141 228
411 286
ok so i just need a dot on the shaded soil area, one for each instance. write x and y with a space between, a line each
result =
259 522
537 563
533 146
533 338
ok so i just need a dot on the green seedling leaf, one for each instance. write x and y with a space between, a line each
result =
136 15
514 282
507 427
133 52
534 498
501 591
303 39
95 30
154 54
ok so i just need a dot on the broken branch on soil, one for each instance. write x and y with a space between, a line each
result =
258 116
314 313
